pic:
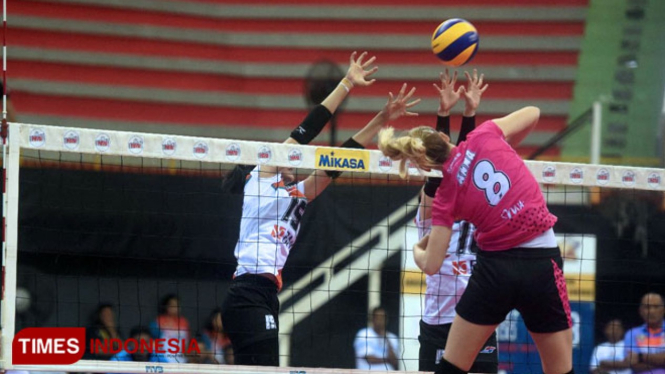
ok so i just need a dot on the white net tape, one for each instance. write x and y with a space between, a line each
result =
119 143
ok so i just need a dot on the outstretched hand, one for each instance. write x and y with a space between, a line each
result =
360 70
472 92
399 105
448 96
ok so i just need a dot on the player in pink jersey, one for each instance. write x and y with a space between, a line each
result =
445 288
519 265
273 207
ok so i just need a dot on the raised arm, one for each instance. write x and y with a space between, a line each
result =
356 76
395 107
472 94
517 125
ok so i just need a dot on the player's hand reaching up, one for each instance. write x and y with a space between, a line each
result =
472 92
448 96
399 105
360 70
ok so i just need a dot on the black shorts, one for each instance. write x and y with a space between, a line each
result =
433 340
527 279
250 312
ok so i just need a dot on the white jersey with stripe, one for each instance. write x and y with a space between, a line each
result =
445 288
271 214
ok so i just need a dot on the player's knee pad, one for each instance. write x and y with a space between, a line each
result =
445 367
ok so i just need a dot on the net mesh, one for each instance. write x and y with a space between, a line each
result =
127 219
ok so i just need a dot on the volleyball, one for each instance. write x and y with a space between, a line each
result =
455 42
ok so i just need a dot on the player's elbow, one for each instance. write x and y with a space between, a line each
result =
533 112
430 269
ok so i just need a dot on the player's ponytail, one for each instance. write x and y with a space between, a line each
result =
422 145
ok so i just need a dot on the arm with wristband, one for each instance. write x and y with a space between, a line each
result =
356 76
396 106
448 97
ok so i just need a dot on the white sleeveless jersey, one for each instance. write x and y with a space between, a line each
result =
445 288
271 214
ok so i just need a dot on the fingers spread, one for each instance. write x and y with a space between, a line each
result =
408 96
360 59
371 71
369 62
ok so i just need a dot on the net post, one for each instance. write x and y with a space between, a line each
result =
10 248
596 123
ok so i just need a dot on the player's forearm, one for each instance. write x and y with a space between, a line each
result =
337 96
370 130
468 124
421 257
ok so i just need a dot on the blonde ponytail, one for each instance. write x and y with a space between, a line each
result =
423 146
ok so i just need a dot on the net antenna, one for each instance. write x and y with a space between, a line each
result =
10 169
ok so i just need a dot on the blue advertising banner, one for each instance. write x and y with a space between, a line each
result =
518 353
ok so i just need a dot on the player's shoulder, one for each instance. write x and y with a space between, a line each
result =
487 128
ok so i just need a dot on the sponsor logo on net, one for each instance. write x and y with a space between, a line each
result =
549 173
385 164
200 150
654 180
342 159
37 138
628 178
169 146
264 154
602 177
411 168
233 152
71 140
295 157
66 346
102 143
576 176
135 145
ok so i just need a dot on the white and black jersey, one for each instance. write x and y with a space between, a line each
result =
445 288
271 215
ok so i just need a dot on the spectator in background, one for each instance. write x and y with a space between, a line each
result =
102 328
609 357
214 336
645 345
376 348
140 334
170 324
206 355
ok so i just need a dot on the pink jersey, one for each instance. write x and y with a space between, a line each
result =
485 182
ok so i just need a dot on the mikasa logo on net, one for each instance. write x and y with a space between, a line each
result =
342 159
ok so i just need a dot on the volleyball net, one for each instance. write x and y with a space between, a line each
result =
98 217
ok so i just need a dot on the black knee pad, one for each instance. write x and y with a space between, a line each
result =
445 367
